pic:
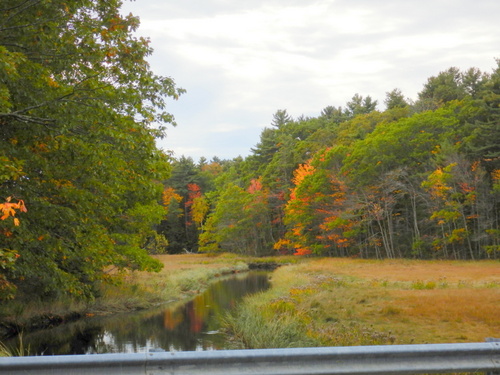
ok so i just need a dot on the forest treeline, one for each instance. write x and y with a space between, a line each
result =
85 193
420 179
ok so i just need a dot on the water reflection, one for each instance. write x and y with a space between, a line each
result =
183 327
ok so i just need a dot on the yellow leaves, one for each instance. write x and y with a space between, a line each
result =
199 210
457 235
436 182
436 150
51 82
496 175
282 244
105 34
169 195
9 209
301 172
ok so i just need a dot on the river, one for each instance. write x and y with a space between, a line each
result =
189 326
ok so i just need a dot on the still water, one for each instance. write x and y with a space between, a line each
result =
183 327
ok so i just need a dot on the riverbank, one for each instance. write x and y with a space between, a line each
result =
181 277
342 302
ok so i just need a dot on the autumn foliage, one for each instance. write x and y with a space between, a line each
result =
417 180
8 209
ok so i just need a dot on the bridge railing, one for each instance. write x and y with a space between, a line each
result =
390 359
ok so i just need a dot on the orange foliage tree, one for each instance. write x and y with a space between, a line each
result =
8 256
319 215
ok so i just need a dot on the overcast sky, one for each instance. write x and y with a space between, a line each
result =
240 61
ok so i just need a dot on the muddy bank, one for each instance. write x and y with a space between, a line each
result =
9 328
264 266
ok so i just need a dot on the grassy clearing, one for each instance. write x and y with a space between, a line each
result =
334 302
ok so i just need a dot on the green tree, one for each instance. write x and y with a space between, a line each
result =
280 118
359 105
451 84
408 142
483 141
395 99
78 108
335 114
239 223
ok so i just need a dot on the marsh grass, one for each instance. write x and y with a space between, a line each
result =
4 351
365 302
181 277
20 351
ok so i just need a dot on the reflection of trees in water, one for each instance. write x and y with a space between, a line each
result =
182 327
185 327
81 337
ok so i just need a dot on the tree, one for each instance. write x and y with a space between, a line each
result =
451 84
409 142
280 118
395 99
483 141
359 105
444 87
334 114
78 112
318 215
190 182
8 257
266 148
239 222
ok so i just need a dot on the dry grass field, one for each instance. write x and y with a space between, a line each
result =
422 301
362 302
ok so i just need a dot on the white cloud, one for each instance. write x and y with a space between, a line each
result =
225 128
241 61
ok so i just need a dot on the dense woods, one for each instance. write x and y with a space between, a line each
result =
420 179
85 192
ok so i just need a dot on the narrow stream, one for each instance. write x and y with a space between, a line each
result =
182 327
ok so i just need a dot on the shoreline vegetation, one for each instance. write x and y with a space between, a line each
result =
182 277
312 301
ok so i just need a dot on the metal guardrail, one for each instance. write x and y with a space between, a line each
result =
390 359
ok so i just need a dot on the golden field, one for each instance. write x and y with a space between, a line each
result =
332 301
